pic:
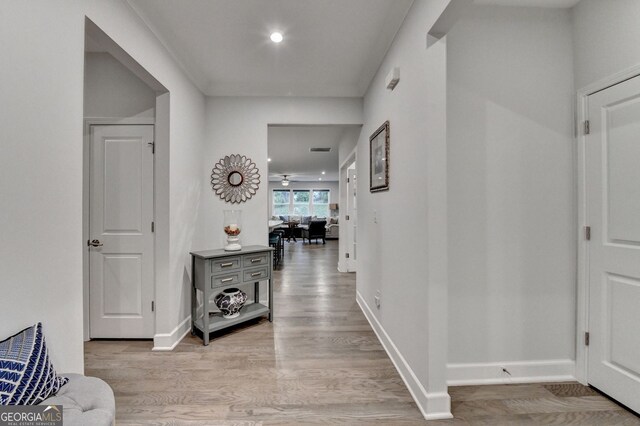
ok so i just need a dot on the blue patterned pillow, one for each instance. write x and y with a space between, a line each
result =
27 376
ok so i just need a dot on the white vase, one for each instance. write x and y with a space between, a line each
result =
232 226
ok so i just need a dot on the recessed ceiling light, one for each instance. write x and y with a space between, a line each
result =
276 37
323 172
269 160
319 178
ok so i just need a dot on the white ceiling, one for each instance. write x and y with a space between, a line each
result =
289 152
530 3
330 47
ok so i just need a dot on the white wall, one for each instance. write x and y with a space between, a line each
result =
41 166
111 90
332 186
510 185
403 252
605 35
348 142
239 126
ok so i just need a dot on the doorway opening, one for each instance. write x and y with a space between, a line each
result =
609 265
125 196
305 190
348 198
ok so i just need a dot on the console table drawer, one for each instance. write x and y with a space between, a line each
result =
223 280
220 266
255 260
257 274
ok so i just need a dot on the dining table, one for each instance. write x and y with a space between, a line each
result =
292 224
274 223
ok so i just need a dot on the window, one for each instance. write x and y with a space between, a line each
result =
321 202
301 206
281 200
301 202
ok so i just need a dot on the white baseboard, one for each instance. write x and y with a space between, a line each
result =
433 406
554 370
168 341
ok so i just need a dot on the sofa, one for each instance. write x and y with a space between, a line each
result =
333 231
296 232
85 401
29 377
333 228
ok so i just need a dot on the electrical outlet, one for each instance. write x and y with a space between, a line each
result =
377 298
375 216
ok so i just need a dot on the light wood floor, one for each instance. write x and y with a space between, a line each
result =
319 362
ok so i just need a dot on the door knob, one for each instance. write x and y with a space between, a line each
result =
94 243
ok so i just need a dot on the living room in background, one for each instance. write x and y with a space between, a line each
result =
303 182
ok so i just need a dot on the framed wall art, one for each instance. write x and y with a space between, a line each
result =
379 159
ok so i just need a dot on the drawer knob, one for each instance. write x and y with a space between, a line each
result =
226 280
255 274
257 259
226 265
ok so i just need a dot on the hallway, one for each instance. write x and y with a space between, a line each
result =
318 363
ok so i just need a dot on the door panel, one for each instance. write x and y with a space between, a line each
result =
624 319
613 212
123 186
623 190
121 212
122 286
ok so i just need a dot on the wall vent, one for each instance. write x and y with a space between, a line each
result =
319 149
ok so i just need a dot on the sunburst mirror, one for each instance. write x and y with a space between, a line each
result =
235 178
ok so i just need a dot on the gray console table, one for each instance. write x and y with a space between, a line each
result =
216 270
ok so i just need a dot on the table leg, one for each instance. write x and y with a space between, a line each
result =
194 294
194 308
270 300
205 317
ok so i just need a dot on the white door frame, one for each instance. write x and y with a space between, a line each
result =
582 295
342 233
86 193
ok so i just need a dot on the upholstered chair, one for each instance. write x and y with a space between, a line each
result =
315 231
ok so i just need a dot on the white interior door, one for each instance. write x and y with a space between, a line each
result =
120 223
613 212
352 223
